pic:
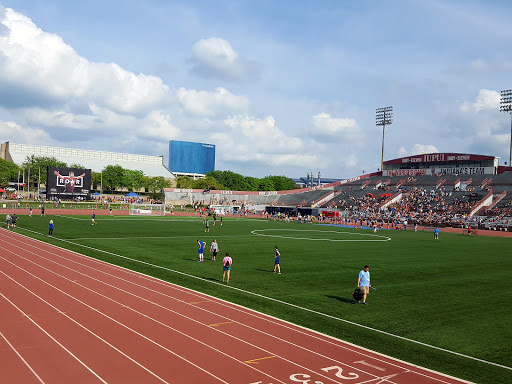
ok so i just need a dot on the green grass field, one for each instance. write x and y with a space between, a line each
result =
453 295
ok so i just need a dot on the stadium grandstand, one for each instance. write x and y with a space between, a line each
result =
95 160
441 189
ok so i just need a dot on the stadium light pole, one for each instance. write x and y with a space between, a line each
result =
383 117
506 106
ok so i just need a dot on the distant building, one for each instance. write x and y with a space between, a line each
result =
95 160
304 182
191 159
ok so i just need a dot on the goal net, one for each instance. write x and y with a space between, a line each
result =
147 209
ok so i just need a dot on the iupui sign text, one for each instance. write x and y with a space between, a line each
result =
440 171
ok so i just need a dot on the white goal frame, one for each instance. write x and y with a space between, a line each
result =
147 209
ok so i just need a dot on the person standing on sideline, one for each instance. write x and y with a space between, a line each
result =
42 210
226 266
93 218
363 282
8 221
221 219
206 226
50 228
14 218
436 234
214 248
277 258
201 250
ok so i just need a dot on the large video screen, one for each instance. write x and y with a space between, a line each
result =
68 183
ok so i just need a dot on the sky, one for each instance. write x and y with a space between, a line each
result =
280 87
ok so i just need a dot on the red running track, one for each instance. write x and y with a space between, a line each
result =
68 318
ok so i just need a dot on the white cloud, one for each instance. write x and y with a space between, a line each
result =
17 134
485 100
261 142
211 104
41 63
326 125
417 149
216 58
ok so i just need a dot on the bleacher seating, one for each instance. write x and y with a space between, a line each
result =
426 199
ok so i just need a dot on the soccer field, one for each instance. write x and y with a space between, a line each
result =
442 305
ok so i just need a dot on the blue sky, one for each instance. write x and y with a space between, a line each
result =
280 87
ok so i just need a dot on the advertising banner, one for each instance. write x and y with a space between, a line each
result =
68 183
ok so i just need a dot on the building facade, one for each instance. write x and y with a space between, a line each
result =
95 160
190 158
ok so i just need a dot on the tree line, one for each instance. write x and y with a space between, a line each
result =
114 177
111 178
231 181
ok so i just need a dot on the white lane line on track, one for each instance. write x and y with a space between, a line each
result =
293 327
50 336
163 324
123 325
21 357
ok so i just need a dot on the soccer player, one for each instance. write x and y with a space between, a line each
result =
436 234
214 248
363 282
226 266
93 218
201 250
14 218
277 258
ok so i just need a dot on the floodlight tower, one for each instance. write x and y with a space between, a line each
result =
506 106
383 117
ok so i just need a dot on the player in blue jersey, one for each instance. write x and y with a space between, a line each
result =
201 250
277 258
436 234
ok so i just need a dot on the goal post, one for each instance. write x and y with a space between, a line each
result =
147 209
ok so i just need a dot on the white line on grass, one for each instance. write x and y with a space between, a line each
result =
381 238
281 302
152 218
149 237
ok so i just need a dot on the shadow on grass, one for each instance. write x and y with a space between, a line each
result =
263 270
342 299
190 259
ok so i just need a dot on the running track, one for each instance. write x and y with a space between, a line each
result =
68 318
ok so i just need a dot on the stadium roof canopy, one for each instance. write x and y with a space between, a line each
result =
95 160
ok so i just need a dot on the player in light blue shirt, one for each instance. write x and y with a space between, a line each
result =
436 234
363 282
